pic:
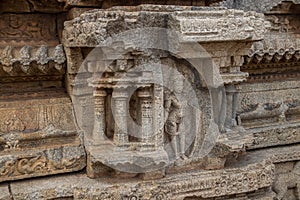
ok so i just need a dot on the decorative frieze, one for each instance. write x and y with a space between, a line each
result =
28 29
31 61
20 165
273 136
208 184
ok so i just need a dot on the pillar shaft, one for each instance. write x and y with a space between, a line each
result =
120 112
146 115
99 107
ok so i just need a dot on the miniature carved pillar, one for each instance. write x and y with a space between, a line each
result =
99 106
231 106
158 115
120 110
145 99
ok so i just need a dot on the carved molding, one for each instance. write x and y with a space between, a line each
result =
209 184
276 136
21 29
274 6
203 25
219 25
269 104
285 50
45 162
277 154
34 115
28 61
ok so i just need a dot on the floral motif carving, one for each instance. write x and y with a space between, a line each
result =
36 164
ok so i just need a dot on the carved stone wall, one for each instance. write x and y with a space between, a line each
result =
150 99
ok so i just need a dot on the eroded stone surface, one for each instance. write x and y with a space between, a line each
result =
4 192
208 184
38 134
255 154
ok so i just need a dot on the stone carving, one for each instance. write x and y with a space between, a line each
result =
264 103
19 119
8 60
264 110
111 131
205 184
31 27
275 136
285 181
270 50
135 128
172 126
36 164
31 64
37 130
240 27
11 145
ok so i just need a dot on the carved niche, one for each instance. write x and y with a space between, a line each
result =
106 86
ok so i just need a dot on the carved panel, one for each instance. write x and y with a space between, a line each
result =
33 115
210 25
210 184
276 136
271 103
16 29
50 161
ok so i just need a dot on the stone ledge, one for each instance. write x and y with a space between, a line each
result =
196 24
275 155
204 184
274 136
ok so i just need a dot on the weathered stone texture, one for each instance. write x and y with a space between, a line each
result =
4 192
169 100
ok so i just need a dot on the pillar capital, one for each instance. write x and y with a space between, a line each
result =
100 92
120 93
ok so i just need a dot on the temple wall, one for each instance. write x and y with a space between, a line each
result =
150 99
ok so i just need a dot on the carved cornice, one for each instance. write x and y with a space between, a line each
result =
274 50
219 25
277 57
30 61
196 24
